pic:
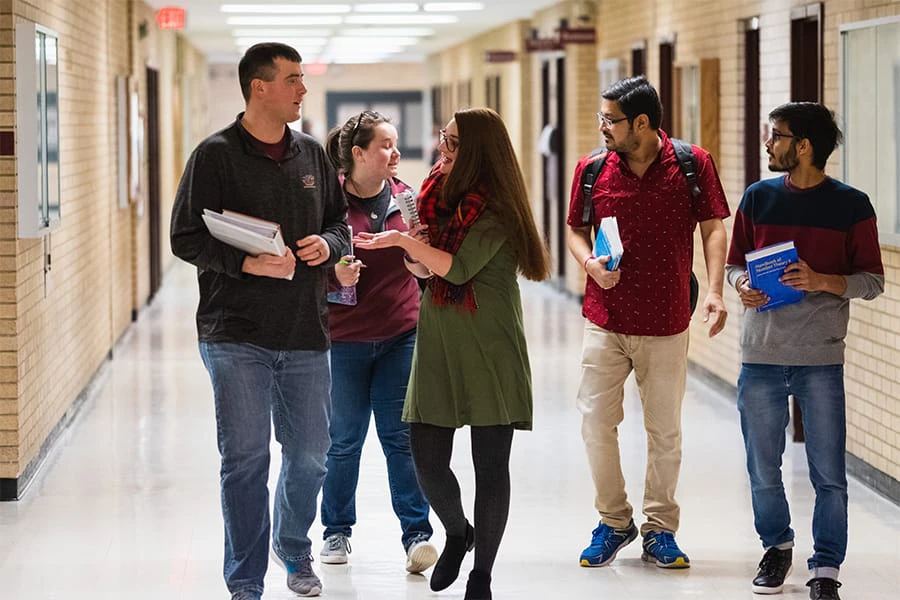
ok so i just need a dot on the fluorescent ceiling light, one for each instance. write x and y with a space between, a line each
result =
452 6
389 31
286 8
392 7
347 59
296 42
284 33
354 60
400 19
276 21
378 42
376 52
347 55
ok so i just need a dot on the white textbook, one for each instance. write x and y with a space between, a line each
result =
250 234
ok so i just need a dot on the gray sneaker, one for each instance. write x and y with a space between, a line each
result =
336 550
420 555
245 595
302 580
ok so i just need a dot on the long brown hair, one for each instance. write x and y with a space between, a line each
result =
486 163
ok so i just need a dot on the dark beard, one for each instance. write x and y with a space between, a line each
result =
629 144
788 162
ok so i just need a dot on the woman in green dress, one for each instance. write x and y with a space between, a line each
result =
470 365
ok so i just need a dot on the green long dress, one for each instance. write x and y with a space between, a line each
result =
473 369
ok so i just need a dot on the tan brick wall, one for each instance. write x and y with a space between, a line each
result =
62 327
873 345
9 420
122 299
55 333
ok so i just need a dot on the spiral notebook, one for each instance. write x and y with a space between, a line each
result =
406 201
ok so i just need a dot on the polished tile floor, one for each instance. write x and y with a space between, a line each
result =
126 507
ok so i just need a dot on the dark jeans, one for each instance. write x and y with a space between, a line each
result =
763 403
367 378
253 388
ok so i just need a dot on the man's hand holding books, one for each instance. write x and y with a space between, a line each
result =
269 265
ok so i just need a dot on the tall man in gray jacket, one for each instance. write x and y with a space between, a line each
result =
262 320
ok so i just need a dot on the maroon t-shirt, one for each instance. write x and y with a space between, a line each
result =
656 215
387 294
277 150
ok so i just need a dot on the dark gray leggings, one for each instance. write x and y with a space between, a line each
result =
432 447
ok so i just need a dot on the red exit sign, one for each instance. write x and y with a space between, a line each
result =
170 17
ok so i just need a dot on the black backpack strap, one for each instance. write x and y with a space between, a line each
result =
596 160
687 163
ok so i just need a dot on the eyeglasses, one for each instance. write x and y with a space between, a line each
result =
604 120
451 141
775 135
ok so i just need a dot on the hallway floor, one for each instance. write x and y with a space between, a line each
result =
127 505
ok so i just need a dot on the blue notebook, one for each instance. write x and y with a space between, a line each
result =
765 267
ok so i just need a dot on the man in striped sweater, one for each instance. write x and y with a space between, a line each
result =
798 349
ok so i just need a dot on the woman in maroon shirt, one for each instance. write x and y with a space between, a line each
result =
372 345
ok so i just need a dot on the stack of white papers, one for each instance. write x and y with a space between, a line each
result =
608 243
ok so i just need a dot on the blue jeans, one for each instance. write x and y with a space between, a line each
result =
255 387
371 377
763 403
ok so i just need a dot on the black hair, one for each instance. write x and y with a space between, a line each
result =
814 122
258 62
636 97
359 130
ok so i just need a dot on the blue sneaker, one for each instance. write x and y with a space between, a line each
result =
660 547
606 543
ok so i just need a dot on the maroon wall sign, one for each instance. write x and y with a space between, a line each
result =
580 35
499 56
543 44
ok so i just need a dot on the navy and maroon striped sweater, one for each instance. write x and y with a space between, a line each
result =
833 227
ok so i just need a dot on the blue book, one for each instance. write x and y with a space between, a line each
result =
608 243
765 267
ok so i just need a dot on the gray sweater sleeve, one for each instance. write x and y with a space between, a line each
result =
864 285
733 272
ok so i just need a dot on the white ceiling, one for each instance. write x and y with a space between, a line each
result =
207 27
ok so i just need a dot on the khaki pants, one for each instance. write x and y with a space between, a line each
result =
660 367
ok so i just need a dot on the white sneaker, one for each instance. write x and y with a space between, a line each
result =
420 555
336 550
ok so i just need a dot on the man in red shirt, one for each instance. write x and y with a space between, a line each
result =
637 315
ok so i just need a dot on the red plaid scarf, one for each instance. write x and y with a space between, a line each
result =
461 217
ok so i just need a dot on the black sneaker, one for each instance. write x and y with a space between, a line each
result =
774 568
823 588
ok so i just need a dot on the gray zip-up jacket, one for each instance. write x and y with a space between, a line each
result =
302 194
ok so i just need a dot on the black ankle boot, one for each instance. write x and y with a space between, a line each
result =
447 568
479 586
